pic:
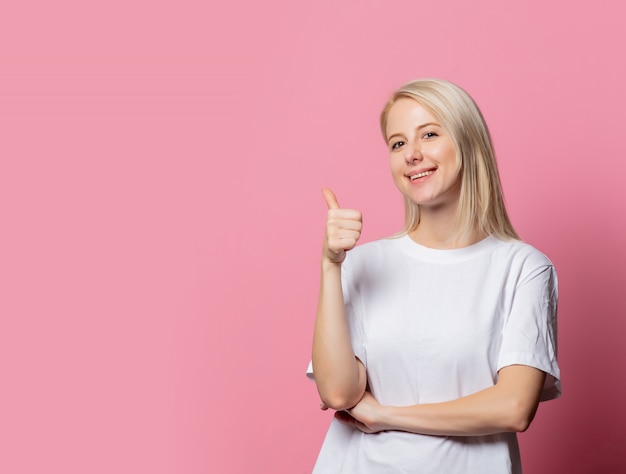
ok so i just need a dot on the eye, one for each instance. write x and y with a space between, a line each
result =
396 145
429 135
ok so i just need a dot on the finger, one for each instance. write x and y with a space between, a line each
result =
344 240
331 200
349 420
348 220
344 416
347 214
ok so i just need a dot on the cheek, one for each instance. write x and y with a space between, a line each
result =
397 171
395 164
397 175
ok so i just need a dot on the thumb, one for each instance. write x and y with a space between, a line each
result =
330 198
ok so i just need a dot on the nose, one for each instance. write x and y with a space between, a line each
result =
413 153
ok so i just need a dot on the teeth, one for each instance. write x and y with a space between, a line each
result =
422 174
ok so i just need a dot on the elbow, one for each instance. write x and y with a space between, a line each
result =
520 425
340 400
341 394
339 403
520 417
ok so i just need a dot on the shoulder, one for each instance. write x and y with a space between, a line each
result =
374 249
521 253
371 256
524 263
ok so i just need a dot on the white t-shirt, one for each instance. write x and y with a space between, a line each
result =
435 325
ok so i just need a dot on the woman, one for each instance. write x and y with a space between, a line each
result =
435 347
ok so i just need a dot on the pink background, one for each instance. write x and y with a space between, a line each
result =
161 167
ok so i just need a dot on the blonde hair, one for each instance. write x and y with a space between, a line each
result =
481 203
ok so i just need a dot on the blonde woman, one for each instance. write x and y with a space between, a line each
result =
434 347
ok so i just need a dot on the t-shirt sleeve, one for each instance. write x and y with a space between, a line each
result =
530 331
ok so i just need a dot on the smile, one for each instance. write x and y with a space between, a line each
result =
422 174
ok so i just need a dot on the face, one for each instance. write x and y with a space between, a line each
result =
422 156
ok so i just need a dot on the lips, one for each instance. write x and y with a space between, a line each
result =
421 174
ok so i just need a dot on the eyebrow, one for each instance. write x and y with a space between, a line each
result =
424 125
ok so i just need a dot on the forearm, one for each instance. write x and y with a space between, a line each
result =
339 376
479 414
510 405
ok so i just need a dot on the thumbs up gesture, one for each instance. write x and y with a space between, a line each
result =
343 229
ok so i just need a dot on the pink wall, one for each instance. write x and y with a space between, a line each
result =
161 167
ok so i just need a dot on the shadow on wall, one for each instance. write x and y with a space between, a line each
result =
585 428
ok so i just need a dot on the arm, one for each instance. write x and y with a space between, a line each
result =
509 405
339 375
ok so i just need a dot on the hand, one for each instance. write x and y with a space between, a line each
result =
343 229
345 417
364 415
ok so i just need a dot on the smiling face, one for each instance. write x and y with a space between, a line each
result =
423 157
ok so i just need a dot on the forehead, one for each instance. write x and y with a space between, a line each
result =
408 113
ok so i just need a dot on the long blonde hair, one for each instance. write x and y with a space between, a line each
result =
481 203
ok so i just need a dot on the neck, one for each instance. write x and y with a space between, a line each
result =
436 230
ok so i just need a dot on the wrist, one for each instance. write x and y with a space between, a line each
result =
328 264
384 418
